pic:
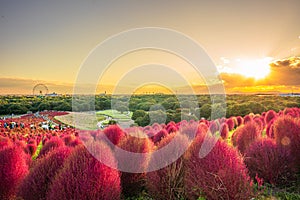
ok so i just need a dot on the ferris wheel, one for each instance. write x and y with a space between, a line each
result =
40 90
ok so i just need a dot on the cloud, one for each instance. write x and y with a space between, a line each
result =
292 62
284 76
25 86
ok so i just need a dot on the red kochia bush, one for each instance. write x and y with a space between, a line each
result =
224 131
230 123
270 162
159 135
287 135
53 143
270 115
167 182
248 134
84 177
114 133
4 141
221 174
133 183
13 169
35 185
240 120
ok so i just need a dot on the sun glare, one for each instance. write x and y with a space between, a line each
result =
257 69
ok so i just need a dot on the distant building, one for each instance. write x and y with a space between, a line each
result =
290 95
52 94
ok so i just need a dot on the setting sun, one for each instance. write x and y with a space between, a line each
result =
258 68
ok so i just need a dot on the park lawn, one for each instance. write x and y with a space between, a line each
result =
115 115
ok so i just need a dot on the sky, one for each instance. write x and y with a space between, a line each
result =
254 44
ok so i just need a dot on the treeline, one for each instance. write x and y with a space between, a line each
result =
146 107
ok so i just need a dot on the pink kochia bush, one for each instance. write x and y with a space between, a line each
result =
167 182
53 143
85 177
270 115
265 159
35 185
13 169
114 133
224 131
133 183
287 135
221 174
247 134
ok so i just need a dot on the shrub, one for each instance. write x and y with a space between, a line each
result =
35 185
53 143
159 135
269 162
84 177
287 135
133 183
13 169
247 119
31 149
270 115
4 142
230 123
224 131
248 134
167 183
239 120
221 174
270 129
114 133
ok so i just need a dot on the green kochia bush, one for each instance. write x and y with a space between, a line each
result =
84 177
221 174
35 185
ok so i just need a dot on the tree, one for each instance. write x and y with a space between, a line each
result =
138 113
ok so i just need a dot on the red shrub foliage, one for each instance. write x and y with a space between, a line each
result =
35 185
167 183
224 131
287 135
31 149
221 174
270 115
230 123
270 129
159 135
13 169
4 142
53 143
84 177
134 183
259 123
248 134
114 133
248 119
240 120
270 162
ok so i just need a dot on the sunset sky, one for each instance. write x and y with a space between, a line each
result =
255 45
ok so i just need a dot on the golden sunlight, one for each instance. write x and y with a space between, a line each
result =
257 69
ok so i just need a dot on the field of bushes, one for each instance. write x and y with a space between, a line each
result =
256 156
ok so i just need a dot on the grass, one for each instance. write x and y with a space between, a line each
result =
115 114
88 121
37 152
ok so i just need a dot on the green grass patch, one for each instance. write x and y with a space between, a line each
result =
37 152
